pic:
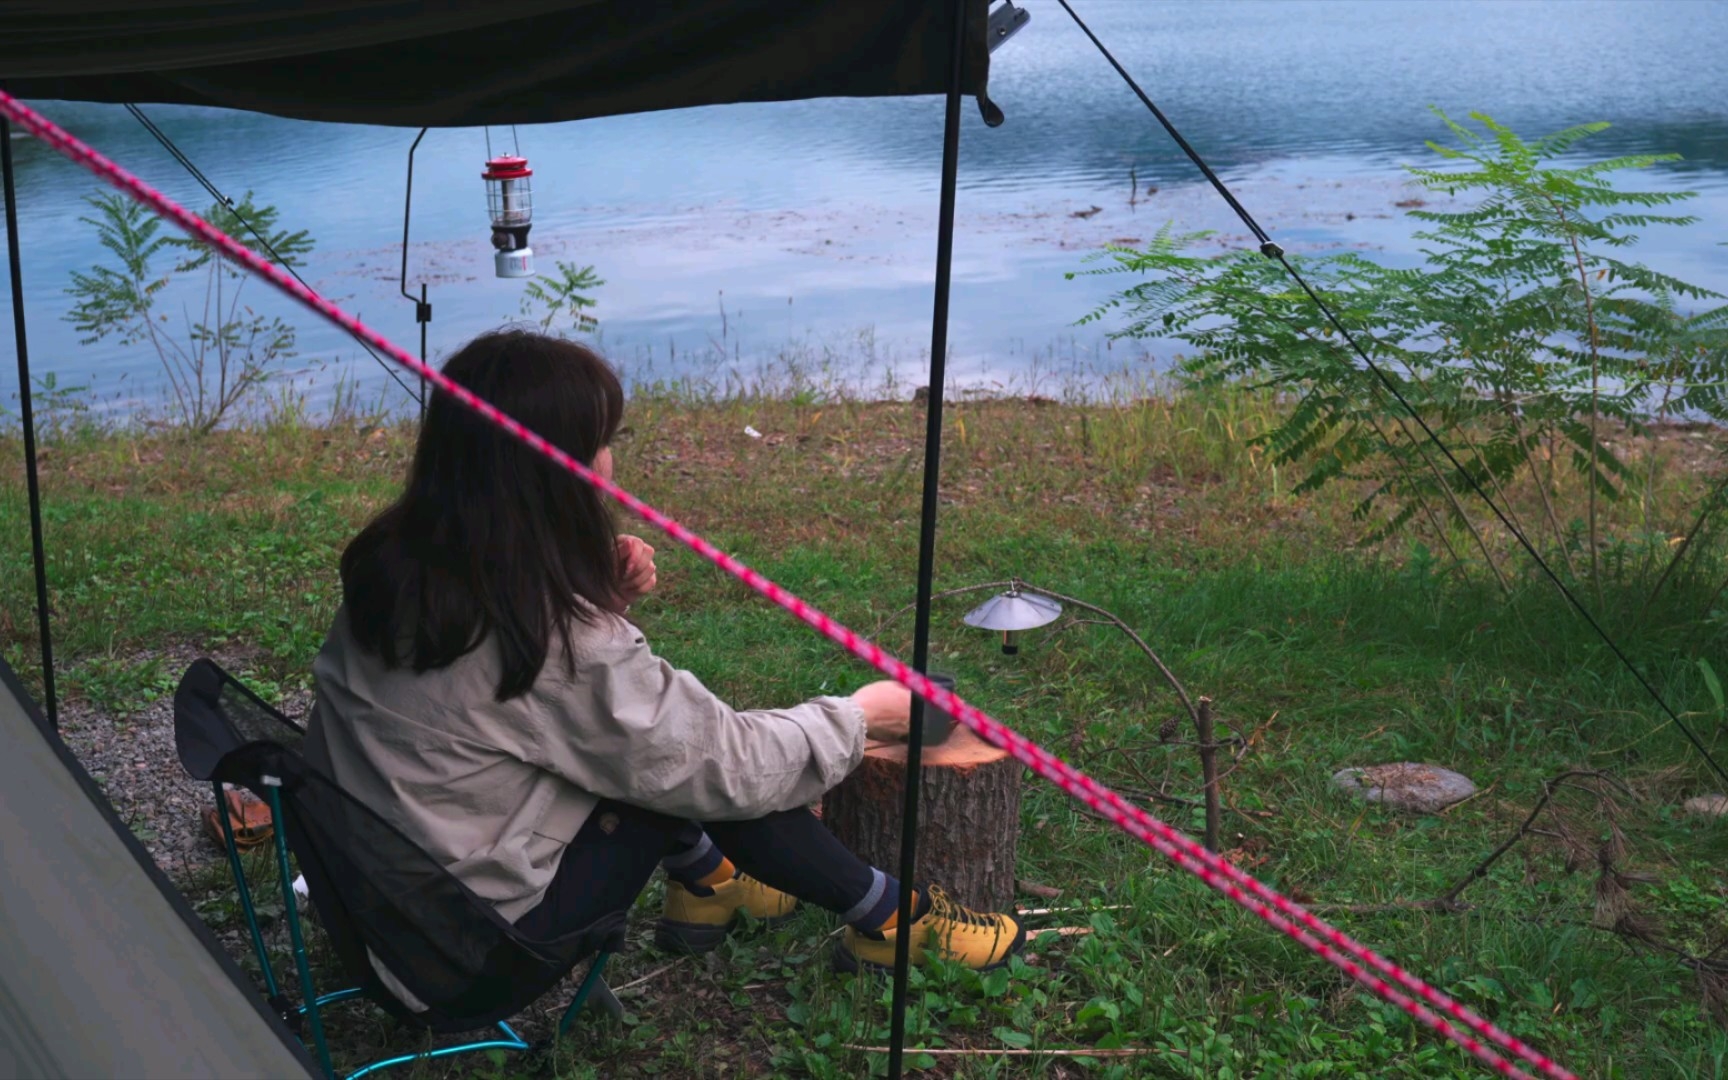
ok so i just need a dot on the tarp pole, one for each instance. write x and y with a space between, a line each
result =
15 265
927 533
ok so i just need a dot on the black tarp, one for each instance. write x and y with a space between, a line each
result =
104 969
451 63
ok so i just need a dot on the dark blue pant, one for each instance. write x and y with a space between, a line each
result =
615 853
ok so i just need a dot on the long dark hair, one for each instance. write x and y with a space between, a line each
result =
490 539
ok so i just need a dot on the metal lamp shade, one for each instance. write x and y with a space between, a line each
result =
1014 611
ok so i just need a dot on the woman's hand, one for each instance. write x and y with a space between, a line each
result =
639 576
887 710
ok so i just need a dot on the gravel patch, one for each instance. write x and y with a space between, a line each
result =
134 761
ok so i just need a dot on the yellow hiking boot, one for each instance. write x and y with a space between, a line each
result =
698 924
979 940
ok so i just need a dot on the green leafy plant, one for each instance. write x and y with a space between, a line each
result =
219 355
1521 338
561 300
121 687
56 411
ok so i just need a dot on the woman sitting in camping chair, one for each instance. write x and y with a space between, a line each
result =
482 690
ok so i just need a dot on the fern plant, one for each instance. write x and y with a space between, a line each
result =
1523 339
562 299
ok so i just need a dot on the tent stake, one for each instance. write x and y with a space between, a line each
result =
37 554
927 532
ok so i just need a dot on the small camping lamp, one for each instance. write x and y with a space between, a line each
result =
1012 612
510 202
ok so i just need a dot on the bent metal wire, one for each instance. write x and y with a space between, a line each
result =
1408 992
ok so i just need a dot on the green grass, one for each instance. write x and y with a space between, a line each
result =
1329 655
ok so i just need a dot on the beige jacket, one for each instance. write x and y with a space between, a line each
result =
496 790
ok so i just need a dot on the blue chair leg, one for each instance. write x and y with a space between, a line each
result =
336 996
511 1041
593 989
308 993
245 892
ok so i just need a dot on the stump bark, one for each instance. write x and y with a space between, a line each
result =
968 816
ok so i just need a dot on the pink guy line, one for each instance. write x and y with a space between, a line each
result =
1382 976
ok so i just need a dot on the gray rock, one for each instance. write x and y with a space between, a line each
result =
1706 805
1406 785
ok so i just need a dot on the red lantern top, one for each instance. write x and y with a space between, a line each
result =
507 168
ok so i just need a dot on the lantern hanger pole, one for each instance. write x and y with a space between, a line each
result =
422 310
38 554
927 531
263 243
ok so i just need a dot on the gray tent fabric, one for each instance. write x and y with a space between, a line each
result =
451 63
104 969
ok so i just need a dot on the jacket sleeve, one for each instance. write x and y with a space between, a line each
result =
626 725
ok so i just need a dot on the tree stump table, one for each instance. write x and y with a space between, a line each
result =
968 816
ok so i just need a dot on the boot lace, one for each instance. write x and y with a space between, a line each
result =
943 906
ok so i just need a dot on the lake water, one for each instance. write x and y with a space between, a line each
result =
730 235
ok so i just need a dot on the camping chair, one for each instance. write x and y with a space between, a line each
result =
375 892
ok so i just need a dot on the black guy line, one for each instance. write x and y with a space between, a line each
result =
216 193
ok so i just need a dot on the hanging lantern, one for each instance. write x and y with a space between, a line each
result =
510 202
1012 612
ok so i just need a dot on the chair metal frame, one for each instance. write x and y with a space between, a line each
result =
592 990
